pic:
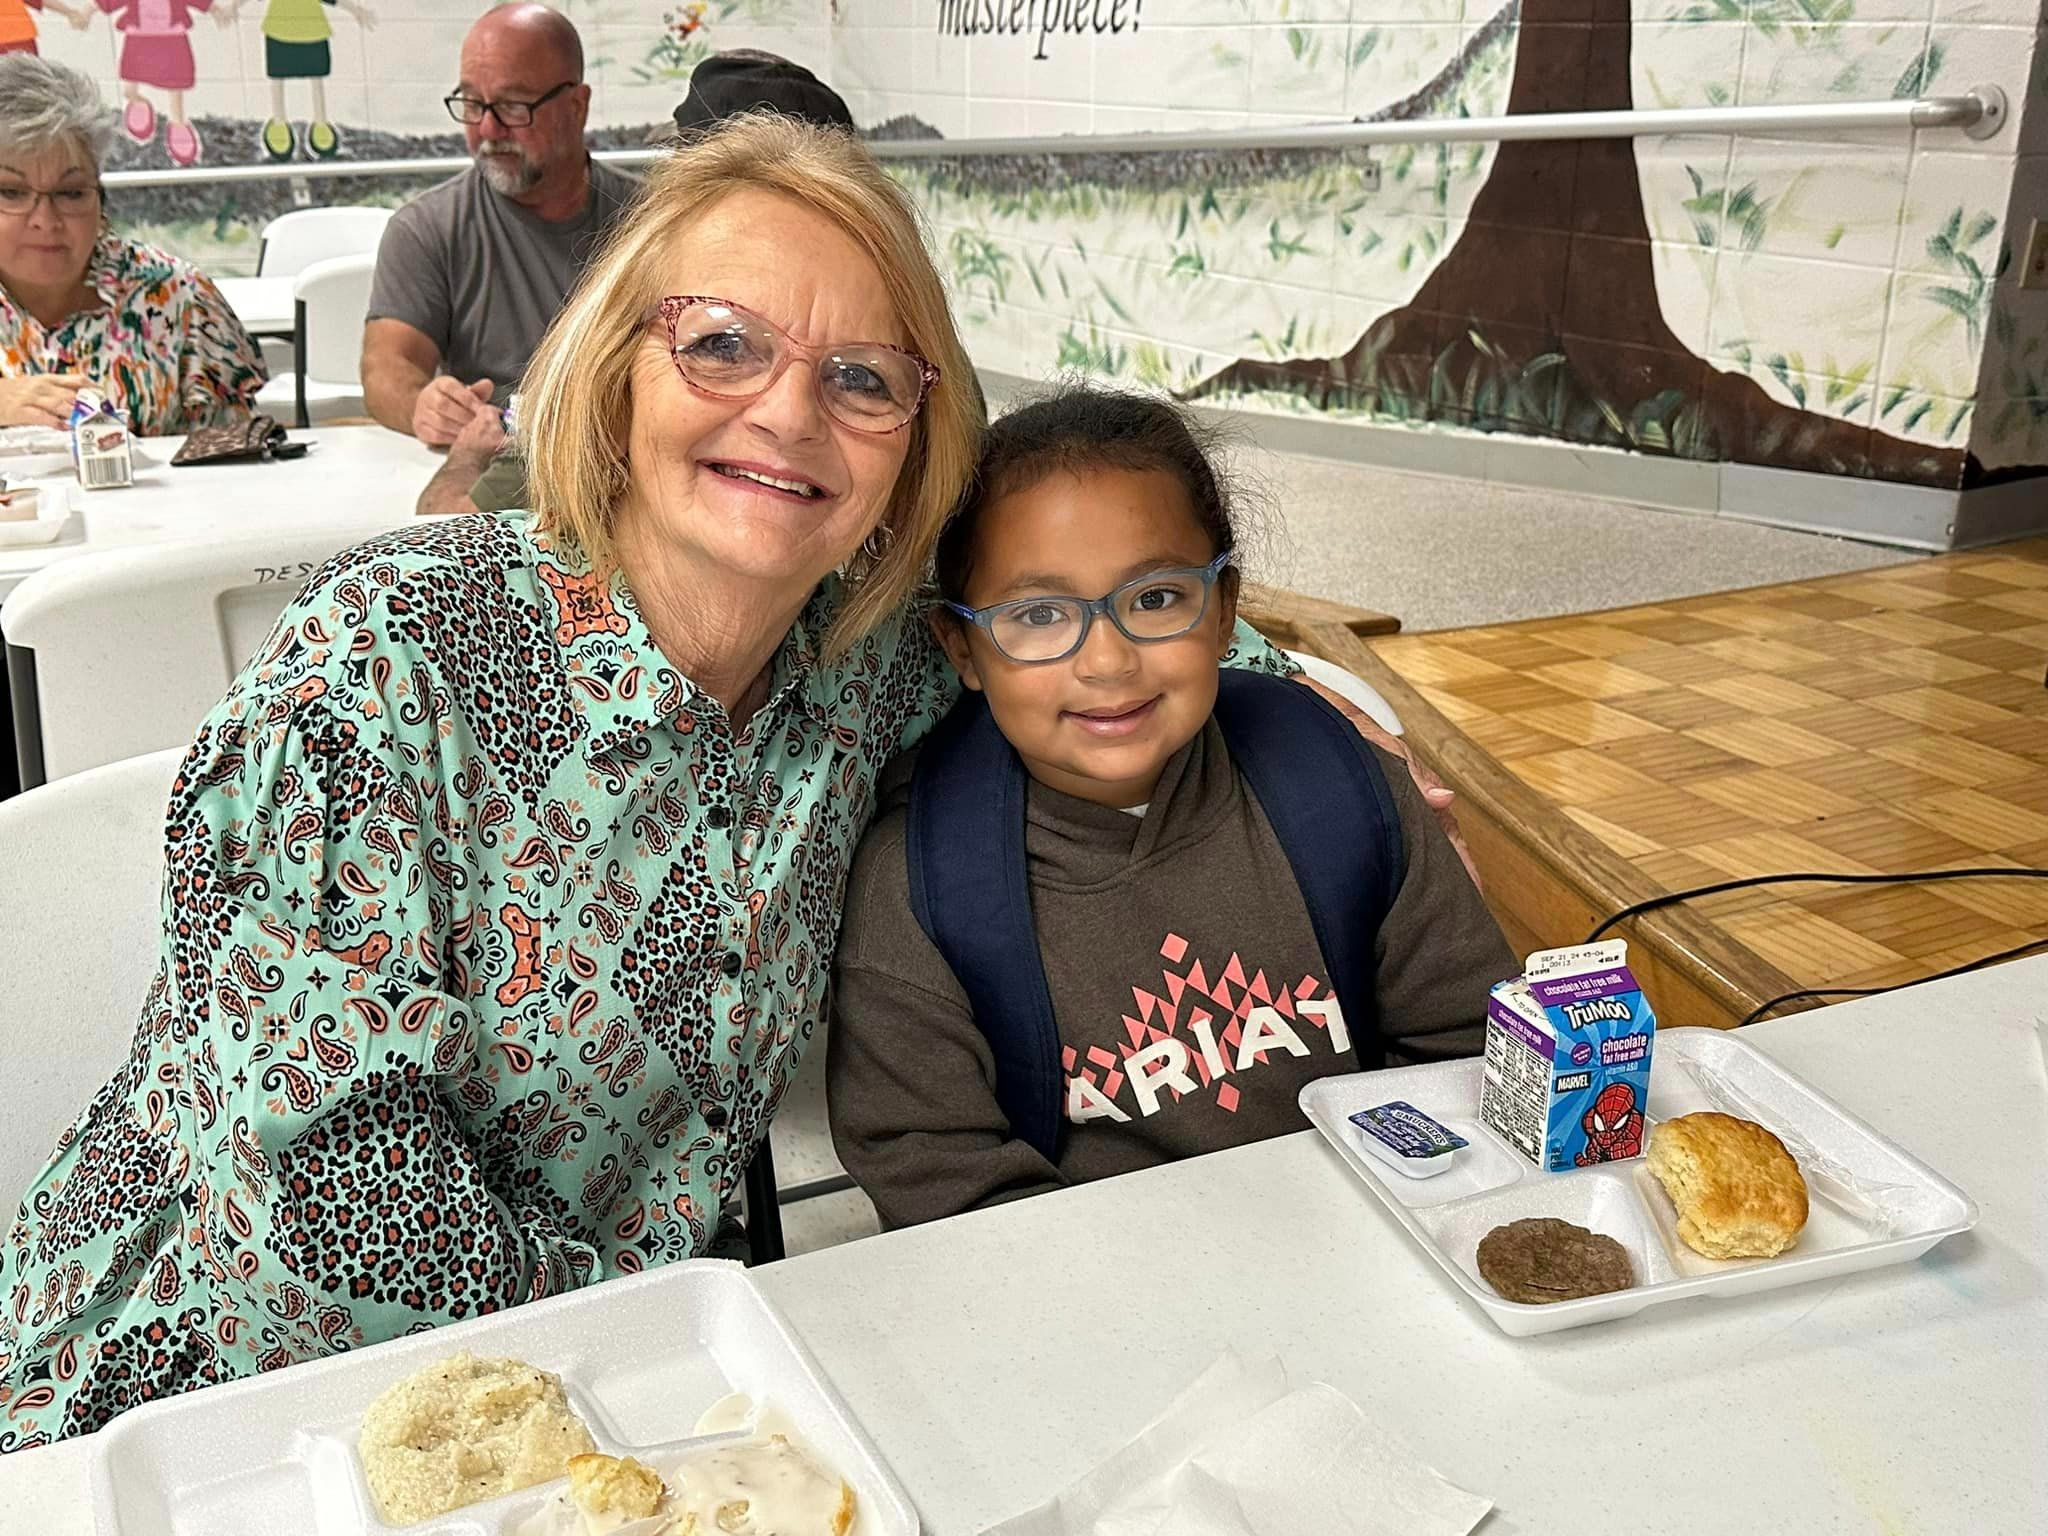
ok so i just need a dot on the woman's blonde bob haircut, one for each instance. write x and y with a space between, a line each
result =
576 403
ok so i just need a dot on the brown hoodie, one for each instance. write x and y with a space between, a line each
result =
1191 997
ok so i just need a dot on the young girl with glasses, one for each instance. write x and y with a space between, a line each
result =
1092 796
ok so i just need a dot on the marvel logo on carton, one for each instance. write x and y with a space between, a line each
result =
99 443
1568 1047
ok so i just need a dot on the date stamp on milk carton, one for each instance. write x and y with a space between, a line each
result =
1568 1047
99 443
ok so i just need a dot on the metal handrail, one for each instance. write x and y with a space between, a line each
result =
1980 113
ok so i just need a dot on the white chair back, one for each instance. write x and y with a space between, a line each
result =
336 297
324 379
81 874
293 241
133 646
1349 685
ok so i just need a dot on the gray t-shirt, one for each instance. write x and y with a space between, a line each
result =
483 278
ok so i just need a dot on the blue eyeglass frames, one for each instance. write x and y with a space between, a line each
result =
1162 605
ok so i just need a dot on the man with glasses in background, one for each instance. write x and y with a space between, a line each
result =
484 471
470 274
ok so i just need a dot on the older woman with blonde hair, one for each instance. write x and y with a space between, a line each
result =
83 305
504 883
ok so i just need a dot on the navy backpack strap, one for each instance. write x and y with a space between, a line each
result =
970 891
1328 802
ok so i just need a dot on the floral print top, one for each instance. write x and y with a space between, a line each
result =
490 947
164 346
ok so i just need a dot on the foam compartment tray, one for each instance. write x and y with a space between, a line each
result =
641 1359
1871 1203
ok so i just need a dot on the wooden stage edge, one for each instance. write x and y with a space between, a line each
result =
1546 881
1881 722
1549 882
1291 620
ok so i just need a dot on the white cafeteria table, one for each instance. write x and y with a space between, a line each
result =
354 477
265 305
997 1356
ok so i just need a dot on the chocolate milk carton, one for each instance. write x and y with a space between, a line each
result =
99 443
1568 1057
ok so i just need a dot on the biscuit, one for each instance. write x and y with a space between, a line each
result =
1738 1192
464 1430
1542 1259
617 1486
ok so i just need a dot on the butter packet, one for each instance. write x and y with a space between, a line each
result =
99 443
1407 1140
1568 1046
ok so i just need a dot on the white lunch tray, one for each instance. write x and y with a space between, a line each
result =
1871 1203
53 511
640 1358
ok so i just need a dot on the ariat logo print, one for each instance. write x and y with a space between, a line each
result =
1195 1035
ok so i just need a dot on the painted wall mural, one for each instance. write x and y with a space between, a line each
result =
1546 315
197 83
1849 306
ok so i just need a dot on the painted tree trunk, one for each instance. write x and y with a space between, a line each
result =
1543 318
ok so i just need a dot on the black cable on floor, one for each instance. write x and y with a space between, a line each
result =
1998 959
1809 877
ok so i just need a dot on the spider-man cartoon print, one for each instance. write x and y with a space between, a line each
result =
1613 1126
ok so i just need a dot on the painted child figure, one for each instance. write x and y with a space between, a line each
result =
156 55
1188 989
296 46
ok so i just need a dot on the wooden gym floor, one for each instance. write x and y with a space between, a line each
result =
1876 722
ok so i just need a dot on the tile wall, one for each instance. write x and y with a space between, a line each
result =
1847 304
1841 300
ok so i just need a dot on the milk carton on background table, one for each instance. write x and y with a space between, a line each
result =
99 443
1568 1047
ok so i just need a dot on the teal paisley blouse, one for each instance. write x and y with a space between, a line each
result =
490 948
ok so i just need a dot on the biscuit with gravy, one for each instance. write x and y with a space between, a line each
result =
762 1487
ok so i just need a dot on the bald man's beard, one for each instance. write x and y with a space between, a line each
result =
508 169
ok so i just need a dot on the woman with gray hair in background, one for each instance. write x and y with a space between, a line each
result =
81 305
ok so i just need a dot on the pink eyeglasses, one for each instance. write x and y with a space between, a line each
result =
732 353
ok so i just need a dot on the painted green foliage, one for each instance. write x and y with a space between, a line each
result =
692 33
2018 376
1956 245
1298 265
1169 280
1721 216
